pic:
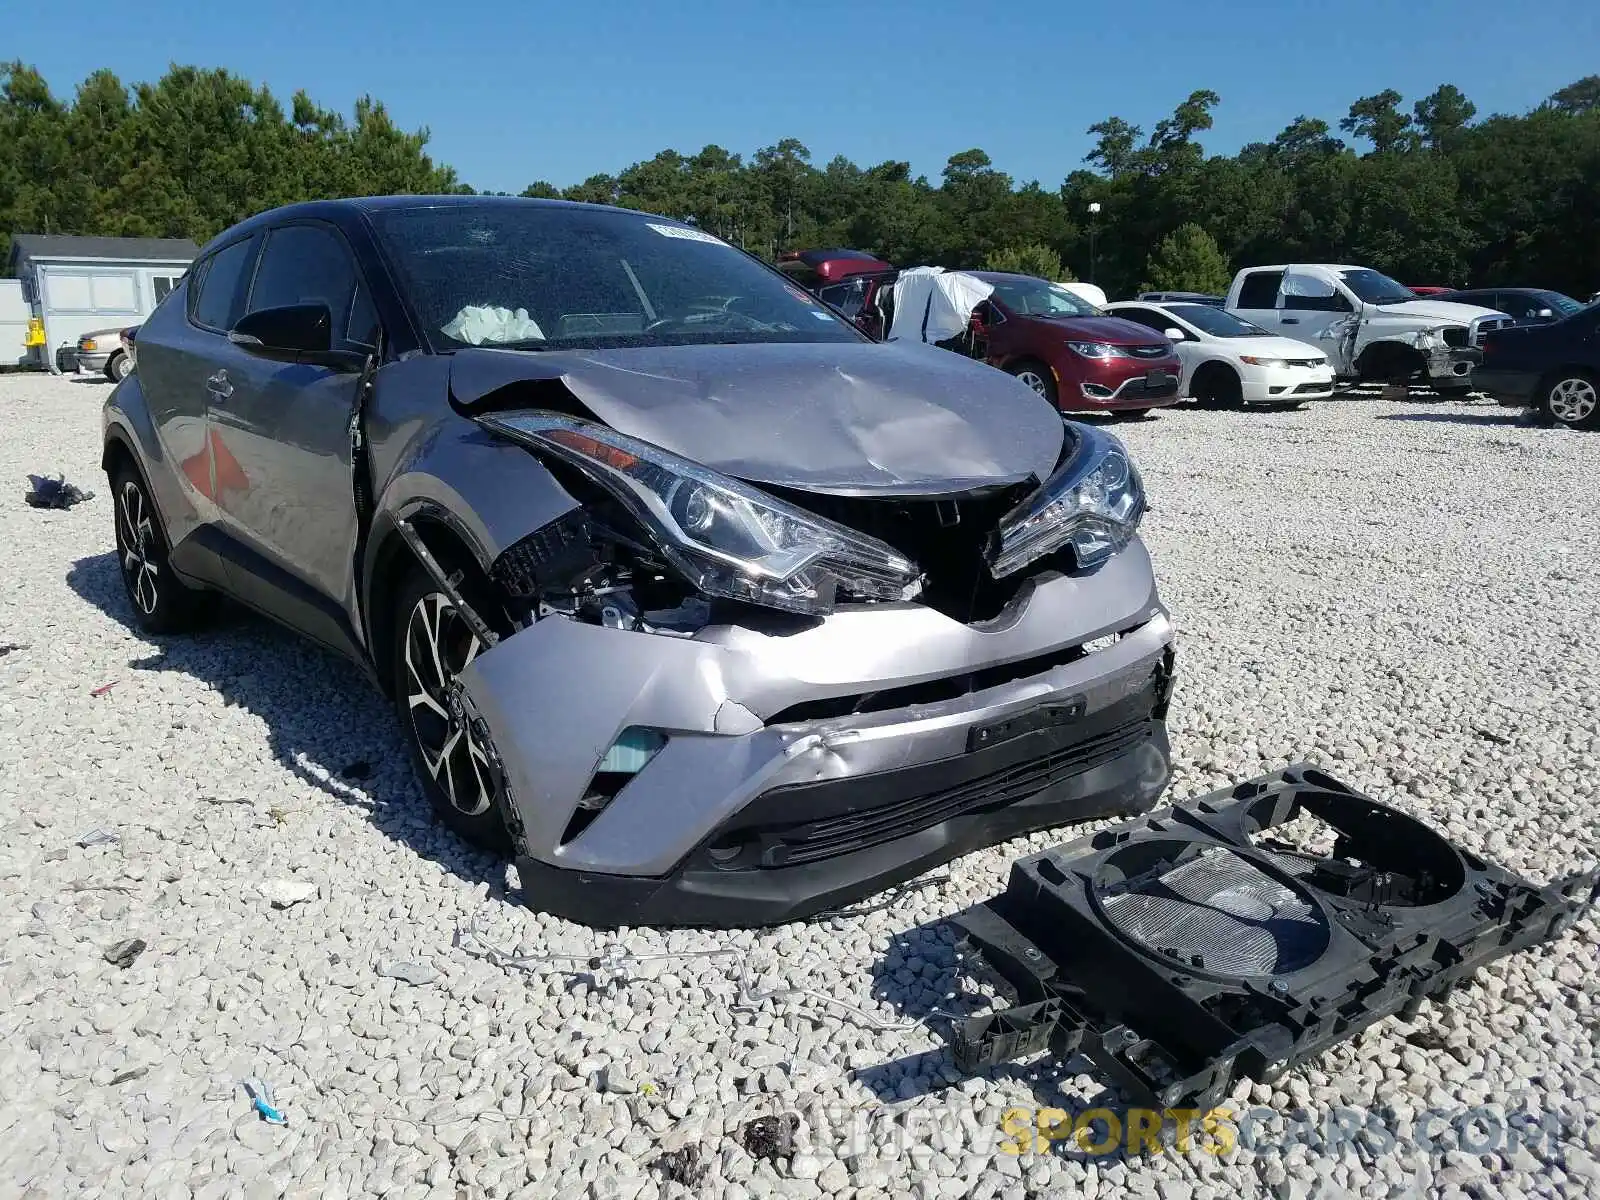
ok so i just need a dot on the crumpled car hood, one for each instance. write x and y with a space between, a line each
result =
844 418
1439 310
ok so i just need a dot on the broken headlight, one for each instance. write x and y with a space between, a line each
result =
1092 503
725 537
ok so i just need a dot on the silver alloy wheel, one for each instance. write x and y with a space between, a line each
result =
1573 400
438 647
1034 380
136 535
122 368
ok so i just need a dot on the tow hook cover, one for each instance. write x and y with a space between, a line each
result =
1213 941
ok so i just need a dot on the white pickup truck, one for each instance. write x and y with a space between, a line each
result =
1370 327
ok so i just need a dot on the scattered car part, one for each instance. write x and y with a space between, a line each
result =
44 492
1191 948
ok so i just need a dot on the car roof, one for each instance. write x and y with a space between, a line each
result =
342 211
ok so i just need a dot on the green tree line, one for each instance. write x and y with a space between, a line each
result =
1430 193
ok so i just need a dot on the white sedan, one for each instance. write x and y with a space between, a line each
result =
1230 362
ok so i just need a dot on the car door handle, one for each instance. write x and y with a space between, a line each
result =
219 387
1290 320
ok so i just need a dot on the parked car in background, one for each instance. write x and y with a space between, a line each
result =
1181 298
1072 353
1429 290
105 350
816 269
1552 366
1525 306
1228 362
1371 328
703 606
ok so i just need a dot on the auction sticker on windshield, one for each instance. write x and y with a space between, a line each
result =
684 232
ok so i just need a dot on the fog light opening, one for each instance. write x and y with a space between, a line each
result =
1096 391
631 753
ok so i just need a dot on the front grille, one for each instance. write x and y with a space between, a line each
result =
807 822
1312 387
816 840
1148 351
946 536
1489 325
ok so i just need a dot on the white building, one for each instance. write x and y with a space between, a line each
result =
79 285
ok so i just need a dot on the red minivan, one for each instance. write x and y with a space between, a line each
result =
1065 349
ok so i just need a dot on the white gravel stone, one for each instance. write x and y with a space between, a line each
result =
1403 593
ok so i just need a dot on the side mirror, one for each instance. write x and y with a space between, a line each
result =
300 333
1176 335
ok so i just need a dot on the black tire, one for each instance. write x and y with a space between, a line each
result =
160 602
118 367
1571 398
1134 414
1035 375
1217 387
453 757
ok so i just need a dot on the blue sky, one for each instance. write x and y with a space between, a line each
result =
518 90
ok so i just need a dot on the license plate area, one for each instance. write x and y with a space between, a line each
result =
1047 716
1160 379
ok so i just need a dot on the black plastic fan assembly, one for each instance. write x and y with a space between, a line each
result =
1194 946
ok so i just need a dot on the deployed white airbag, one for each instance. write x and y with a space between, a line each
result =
476 325
932 304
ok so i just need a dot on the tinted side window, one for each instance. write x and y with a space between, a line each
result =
219 302
847 297
1260 289
310 264
1514 305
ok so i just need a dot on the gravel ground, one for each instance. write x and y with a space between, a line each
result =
1405 593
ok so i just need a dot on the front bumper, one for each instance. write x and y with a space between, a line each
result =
1452 367
1513 389
93 361
1153 385
803 770
1280 385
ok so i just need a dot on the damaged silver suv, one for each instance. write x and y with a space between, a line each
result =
702 605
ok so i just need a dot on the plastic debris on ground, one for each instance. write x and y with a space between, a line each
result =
686 1166
98 837
123 953
261 1100
769 1138
45 492
103 688
417 974
9 648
